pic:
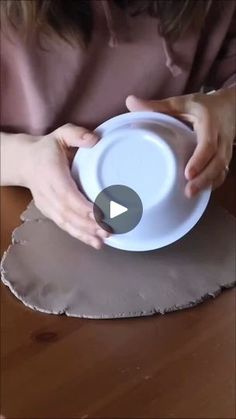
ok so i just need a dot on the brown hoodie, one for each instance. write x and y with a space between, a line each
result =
42 89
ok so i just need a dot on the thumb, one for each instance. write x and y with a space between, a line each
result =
135 104
174 106
73 136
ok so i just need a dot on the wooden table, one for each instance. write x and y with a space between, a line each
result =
180 365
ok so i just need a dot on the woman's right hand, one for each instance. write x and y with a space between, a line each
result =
46 173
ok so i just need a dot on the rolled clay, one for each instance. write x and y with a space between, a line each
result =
54 273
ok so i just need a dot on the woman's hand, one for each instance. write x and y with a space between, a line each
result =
46 173
213 120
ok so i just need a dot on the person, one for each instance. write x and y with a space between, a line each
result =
68 66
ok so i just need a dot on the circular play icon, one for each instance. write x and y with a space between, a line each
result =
121 209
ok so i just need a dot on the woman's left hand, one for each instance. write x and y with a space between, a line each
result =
213 120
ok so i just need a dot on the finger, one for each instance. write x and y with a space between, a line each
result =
208 175
229 152
68 218
64 193
219 180
207 144
79 231
135 104
68 215
79 203
74 200
93 241
73 231
172 106
65 190
80 215
88 233
206 134
213 173
74 136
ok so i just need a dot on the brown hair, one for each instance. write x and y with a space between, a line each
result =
73 19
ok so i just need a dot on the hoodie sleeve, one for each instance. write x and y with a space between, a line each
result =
223 70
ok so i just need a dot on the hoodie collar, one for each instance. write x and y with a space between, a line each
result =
117 26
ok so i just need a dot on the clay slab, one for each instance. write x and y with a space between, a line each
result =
54 273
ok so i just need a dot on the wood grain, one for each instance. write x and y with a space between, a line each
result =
180 365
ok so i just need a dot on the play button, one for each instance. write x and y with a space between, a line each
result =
121 207
116 209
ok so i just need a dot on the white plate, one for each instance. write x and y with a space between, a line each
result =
147 152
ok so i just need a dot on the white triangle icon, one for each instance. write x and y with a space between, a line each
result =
116 209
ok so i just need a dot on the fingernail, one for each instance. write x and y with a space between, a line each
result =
192 172
102 233
194 190
191 190
187 192
89 136
96 244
